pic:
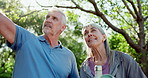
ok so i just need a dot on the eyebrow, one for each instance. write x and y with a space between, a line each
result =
90 28
52 16
93 28
47 16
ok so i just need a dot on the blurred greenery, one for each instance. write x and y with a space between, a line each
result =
71 38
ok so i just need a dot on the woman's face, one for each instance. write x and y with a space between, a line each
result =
93 37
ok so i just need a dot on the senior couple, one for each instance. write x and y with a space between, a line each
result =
45 57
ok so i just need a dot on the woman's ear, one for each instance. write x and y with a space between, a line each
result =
104 37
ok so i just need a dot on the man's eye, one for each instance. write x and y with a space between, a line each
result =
47 16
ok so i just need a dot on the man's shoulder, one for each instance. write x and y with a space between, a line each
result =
65 49
22 30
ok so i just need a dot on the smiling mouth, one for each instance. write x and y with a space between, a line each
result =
91 39
48 25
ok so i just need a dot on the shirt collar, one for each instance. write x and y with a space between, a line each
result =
42 39
60 44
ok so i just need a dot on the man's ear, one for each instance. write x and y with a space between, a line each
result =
63 27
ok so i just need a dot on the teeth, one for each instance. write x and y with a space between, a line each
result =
91 40
47 25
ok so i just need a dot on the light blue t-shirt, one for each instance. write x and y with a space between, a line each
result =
35 58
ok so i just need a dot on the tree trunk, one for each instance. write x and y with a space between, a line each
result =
144 61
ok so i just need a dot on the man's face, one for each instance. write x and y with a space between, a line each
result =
53 23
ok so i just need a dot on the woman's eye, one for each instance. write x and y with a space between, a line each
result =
85 33
93 30
54 18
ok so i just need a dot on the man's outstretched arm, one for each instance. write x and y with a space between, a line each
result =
7 28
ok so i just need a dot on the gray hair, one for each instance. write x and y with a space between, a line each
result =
63 15
106 44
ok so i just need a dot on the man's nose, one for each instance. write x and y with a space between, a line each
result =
48 19
89 34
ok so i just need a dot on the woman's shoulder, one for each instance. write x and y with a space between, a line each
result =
123 56
85 62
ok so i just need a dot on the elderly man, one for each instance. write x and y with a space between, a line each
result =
40 56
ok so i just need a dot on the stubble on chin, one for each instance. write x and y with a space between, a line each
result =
45 31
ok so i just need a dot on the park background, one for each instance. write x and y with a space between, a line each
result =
125 23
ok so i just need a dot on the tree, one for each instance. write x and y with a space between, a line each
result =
127 17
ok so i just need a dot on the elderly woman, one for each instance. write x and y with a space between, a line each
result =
117 64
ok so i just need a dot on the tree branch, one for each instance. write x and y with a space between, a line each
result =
70 7
127 22
139 7
127 37
78 7
98 12
140 21
134 7
123 17
129 9
29 13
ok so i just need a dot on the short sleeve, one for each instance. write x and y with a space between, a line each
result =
21 37
74 70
